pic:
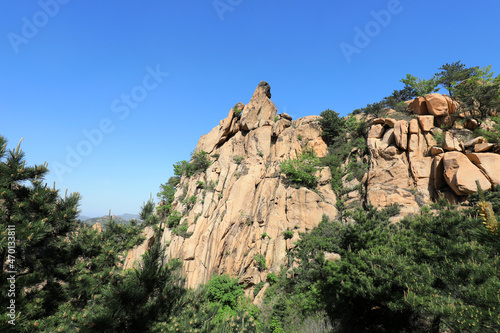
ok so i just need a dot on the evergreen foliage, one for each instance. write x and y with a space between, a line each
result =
421 86
199 163
480 92
454 73
301 170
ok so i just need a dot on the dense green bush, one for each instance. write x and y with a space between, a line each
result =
301 171
174 219
288 234
261 261
199 163
332 126
427 272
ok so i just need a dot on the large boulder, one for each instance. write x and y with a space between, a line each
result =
376 131
426 122
461 174
401 134
419 106
437 105
489 163
450 143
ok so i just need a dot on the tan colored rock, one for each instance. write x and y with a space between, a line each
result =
319 146
437 105
390 122
452 106
419 106
134 256
377 121
260 111
376 131
414 129
387 139
401 134
413 143
436 151
429 140
426 122
389 181
475 141
332 256
461 174
483 147
249 198
280 126
450 143
438 173
421 168
471 124
489 163
97 227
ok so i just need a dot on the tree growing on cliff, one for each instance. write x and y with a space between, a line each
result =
454 73
332 126
421 86
480 92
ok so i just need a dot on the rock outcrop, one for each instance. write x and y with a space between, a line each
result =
243 204
246 204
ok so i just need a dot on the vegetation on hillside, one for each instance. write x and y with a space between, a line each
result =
438 271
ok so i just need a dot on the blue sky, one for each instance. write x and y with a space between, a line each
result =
146 79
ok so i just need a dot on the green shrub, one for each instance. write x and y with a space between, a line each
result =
237 112
439 137
182 230
272 278
258 287
190 202
288 234
301 171
238 159
224 290
174 219
261 261
276 118
332 125
199 162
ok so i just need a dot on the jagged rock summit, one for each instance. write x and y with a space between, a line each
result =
243 203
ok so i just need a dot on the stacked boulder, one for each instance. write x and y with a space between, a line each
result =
406 158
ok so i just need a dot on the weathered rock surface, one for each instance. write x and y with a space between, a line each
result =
248 199
437 105
489 163
419 106
461 174
246 204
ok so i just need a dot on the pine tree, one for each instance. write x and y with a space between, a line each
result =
40 219
133 301
454 73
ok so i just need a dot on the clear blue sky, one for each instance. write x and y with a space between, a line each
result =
67 67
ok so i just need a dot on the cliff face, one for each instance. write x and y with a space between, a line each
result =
243 204
240 207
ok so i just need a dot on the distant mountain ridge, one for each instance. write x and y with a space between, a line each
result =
119 219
